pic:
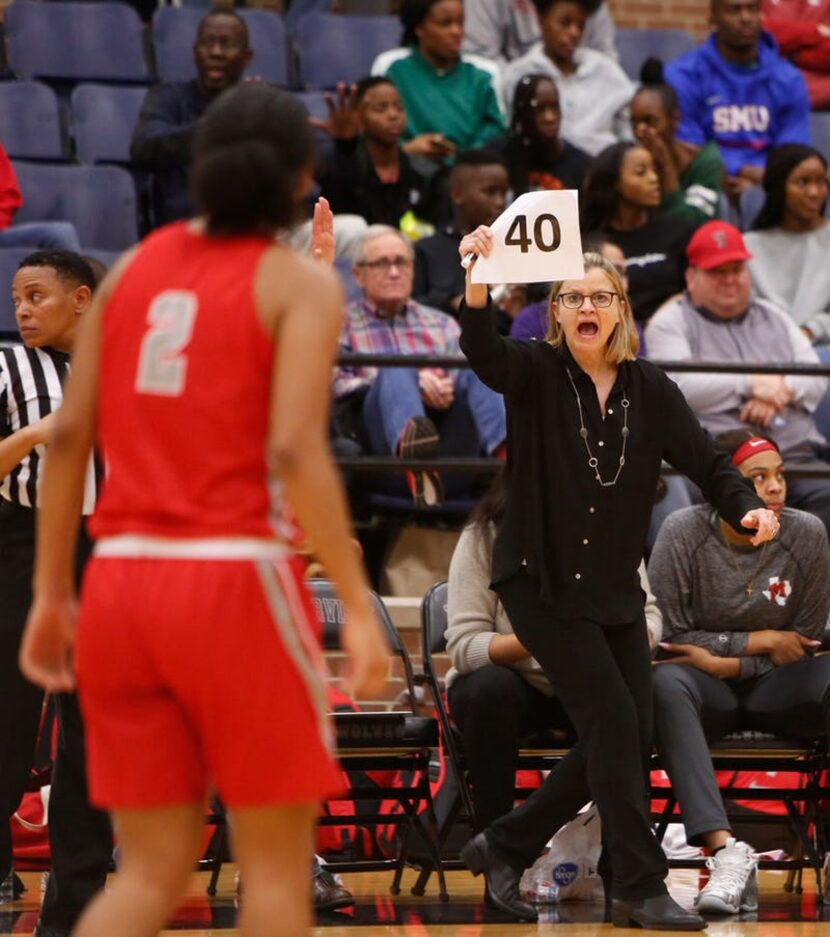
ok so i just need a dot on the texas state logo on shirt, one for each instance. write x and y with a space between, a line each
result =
779 590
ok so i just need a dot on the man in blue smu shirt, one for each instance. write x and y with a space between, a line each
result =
737 90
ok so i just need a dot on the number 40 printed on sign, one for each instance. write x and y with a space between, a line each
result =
536 240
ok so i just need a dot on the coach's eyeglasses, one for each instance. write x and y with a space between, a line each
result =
385 264
600 300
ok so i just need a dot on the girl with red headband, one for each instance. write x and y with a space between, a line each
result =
740 628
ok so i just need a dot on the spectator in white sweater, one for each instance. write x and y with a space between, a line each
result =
790 239
594 91
502 30
497 693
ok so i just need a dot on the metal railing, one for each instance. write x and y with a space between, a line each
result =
372 464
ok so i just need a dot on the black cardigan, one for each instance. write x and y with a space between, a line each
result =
584 541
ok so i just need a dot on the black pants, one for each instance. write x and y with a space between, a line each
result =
495 708
602 675
80 837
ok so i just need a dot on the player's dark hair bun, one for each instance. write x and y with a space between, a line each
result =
250 148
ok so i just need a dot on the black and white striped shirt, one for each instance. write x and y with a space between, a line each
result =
31 386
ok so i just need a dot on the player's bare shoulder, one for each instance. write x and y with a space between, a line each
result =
288 281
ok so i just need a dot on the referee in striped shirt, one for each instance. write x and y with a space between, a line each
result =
51 291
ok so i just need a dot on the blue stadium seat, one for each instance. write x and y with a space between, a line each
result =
316 106
335 48
103 119
99 200
10 258
634 46
751 202
30 122
107 258
76 41
820 131
174 32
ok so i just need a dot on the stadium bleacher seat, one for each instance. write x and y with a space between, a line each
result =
634 46
30 122
316 106
76 41
99 200
103 119
751 202
107 258
174 31
10 258
335 48
820 131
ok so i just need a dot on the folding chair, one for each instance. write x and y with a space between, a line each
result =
755 751
805 805
538 752
372 741
400 741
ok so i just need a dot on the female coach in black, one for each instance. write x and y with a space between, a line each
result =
588 426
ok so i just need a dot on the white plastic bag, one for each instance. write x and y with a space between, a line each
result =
570 864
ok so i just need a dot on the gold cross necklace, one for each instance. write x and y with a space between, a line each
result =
750 582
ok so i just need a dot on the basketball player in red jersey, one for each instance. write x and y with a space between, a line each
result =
204 362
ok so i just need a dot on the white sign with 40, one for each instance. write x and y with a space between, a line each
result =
535 240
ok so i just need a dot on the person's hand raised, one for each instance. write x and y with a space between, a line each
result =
343 122
322 233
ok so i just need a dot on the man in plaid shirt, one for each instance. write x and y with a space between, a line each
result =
411 412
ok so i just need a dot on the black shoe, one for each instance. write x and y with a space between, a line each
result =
661 912
502 880
327 894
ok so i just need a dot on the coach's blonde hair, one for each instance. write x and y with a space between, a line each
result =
623 343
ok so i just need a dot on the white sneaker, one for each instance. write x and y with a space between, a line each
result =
733 881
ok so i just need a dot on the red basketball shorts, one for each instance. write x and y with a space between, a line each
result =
199 674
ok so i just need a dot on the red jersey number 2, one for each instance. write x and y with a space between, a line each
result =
162 362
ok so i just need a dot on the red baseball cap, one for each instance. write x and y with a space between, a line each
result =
716 243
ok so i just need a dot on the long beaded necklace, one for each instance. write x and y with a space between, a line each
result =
593 461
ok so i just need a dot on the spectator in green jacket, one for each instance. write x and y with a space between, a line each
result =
691 177
450 99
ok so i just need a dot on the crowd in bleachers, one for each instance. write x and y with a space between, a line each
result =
430 122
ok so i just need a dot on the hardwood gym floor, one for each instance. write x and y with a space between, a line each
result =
377 913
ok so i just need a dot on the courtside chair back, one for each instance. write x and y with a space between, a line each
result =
30 121
103 120
634 46
540 751
174 32
99 200
399 741
76 41
335 48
